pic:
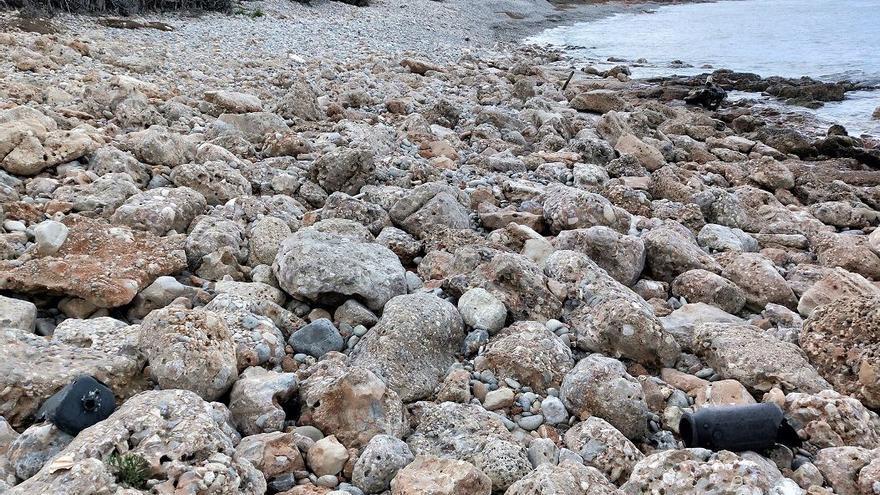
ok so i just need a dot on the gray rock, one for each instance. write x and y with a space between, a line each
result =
600 386
554 411
300 102
380 461
254 126
317 338
160 210
312 264
673 251
472 434
189 349
257 399
543 451
159 146
218 182
756 359
344 170
603 447
710 288
24 386
683 322
168 424
721 238
210 235
480 309
530 423
34 447
17 313
570 208
355 314
622 256
102 196
413 345
474 340
429 206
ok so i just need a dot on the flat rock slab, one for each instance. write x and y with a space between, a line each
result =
104 264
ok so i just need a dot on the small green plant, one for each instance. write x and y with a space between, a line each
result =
130 469
256 13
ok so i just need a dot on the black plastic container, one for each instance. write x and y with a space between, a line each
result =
737 428
80 404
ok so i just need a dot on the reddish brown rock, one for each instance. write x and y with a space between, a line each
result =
103 264
842 340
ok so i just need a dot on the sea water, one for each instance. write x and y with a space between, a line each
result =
830 40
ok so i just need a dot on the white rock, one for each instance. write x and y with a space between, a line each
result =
50 235
480 309
327 456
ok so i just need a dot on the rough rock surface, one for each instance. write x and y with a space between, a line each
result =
695 471
842 339
603 447
311 263
600 386
528 353
756 359
413 344
185 440
434 476
102 264
174 338
25 387
568 478
351 402
377 231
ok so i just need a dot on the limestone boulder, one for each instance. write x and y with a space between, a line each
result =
603 447
570 208
600 386
622 256
761 281
312 264
160 210
828 419
350 402
756 358
258 398
528 353
467 432
842 339
184 440
567 478
24 387
697 471
190 349
413 345
435 476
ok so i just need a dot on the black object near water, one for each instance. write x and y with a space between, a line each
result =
737 428
80 404
709 96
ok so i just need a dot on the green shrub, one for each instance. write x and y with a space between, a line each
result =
130 470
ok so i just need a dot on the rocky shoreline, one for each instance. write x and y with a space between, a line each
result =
307 259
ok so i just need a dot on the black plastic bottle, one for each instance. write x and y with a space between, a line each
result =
737 428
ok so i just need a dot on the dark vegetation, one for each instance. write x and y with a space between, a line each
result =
122 7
